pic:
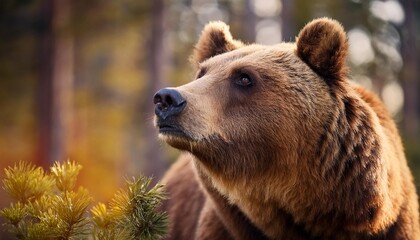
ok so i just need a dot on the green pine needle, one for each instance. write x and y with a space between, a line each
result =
101 216
25 182
15 213
65 175
135 210
70 208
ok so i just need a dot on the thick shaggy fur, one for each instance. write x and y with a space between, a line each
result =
301 153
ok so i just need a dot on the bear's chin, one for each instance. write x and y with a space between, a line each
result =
181 142
184 142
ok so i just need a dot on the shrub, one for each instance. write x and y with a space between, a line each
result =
47 206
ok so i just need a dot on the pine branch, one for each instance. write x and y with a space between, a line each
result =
42 212
24 182
133 212
65 175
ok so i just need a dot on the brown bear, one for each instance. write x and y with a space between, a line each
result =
279 144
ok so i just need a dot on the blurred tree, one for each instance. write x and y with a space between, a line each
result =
55 83
250 21
44 88
286 20
410 72
157 54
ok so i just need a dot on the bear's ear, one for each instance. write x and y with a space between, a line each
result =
215 39
322 44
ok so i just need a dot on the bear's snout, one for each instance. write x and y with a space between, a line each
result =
168 102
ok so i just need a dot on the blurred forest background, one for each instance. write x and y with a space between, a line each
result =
77 77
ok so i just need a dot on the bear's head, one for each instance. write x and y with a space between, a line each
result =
253 107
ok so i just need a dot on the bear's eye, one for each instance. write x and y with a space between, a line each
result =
243 80
201 73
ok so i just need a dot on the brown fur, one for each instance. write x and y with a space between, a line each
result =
215 39
302 154
323 46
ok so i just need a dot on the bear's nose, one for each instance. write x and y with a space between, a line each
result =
168 102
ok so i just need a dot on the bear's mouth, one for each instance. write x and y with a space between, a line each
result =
170 128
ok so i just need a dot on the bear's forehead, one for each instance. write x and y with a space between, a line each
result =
250 53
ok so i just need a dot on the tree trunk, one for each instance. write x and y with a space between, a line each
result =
55 83
155 156
410 76
250 22
44 90
286 21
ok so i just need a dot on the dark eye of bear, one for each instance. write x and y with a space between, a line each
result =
201 73
243 80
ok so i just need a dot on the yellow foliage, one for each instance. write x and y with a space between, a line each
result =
65 175
61 213
25 182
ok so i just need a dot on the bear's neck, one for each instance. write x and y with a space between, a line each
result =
243 224
247 209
